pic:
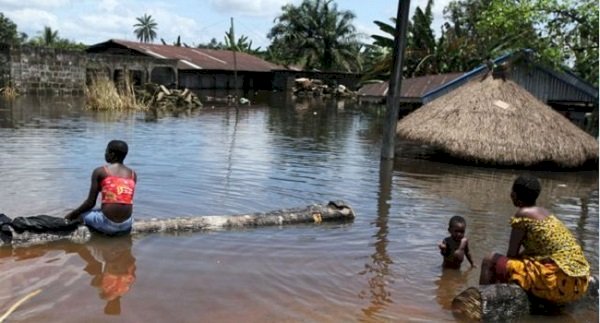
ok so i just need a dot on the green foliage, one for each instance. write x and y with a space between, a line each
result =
8 31
145 28
560 32
176 43
242 44
566 31
213 44
421 56
315 35
50 38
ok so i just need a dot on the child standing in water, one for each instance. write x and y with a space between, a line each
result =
117 184
455 247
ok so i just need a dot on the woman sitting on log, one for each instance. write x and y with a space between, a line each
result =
116 182
551 265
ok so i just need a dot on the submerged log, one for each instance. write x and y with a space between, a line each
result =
25 239
317 213
507 302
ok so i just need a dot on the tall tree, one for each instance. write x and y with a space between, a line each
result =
315 34
145 28
421 54
565 32
421 42
8 31
49 37
560 32
242 44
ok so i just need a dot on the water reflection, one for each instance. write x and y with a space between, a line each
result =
112 267
379 267
38 111
450 283
108 261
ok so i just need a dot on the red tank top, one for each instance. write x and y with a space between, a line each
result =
117 189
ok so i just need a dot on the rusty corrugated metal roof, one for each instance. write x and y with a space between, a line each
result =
374 89
200 58
414 87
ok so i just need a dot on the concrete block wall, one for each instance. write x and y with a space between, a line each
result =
41 70
51 71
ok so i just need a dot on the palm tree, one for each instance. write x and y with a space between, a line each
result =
145 29
49 37
421 52
242 44
315 34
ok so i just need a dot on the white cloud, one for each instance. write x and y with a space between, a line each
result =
108 5
258 8
107 22
32 21
20 4
365 31
172 25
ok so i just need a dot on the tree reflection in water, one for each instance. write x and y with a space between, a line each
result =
379 268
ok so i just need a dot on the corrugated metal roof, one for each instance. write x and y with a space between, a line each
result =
374 89
198 58
412 88
416 87
567 84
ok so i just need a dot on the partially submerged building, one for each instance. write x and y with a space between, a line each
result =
413 89
196 68
42 70
495 121
51 71
559 89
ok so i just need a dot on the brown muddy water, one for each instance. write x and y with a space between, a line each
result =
382 267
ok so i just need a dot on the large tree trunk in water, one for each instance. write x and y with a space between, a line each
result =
333 211
507 302
317 213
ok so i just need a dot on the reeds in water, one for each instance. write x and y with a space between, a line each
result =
103 94
8 92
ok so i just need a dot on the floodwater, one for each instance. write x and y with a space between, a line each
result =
382 267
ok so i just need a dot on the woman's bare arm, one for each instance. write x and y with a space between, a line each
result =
90 202
514 244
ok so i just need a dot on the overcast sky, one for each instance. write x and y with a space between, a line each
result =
95 21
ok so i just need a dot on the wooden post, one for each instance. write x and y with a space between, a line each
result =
316 213
393 98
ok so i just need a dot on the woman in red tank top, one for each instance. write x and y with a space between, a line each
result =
116 182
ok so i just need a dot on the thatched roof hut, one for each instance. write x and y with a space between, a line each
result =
493 121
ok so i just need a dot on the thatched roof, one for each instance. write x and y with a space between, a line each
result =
497 122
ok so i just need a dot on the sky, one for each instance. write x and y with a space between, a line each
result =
197 22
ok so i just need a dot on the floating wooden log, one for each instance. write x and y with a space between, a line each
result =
333 211
317 213
507 302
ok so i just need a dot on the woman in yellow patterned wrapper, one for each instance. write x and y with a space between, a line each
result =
543 257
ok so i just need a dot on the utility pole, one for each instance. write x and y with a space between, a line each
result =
234 48
393 98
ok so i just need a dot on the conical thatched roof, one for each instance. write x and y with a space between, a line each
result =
497 122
